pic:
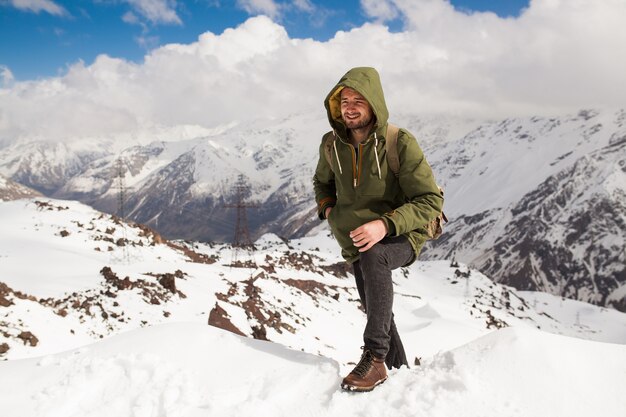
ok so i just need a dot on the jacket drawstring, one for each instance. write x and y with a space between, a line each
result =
376 153
336 154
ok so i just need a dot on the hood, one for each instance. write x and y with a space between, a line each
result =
366 81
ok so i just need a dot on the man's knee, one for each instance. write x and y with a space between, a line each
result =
373 256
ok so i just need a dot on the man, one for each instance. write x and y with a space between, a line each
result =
377 218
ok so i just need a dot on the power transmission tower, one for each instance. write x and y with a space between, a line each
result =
121 199
242 240
121 187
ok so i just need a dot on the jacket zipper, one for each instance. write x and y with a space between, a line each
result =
356 165
360 167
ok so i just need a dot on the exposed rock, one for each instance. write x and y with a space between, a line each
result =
311 287
340 269
219 318
46 205
5 302
28 338
193 255
168 281
146 231
494 322
259 332
4 293
11 190
111 277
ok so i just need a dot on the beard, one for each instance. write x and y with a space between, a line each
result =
359 123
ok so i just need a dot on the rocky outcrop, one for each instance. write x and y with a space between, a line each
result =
11 190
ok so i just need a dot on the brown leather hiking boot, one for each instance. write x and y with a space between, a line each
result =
369 372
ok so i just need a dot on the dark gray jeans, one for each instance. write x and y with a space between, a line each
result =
373 278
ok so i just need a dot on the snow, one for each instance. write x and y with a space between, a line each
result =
496 164
579 315
554 357
615 181
199 371
203 371
50 275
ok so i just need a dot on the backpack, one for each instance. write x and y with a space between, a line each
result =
434 228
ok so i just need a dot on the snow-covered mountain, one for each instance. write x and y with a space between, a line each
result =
541 205
47 166
71 276
183 188
11 190
537 202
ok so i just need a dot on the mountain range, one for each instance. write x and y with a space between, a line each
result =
538 203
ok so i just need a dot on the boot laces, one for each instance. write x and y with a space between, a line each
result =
364 364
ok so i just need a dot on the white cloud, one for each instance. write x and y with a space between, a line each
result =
381 10
267 7
147 42
304 5
6 76
559 56
156 11
130 17
37 6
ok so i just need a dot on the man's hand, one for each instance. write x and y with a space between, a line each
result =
327 212
367 235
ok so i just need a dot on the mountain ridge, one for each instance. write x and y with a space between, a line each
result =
184 189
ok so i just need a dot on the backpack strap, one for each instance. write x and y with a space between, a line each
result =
391 145
434 228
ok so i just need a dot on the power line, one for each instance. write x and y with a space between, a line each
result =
242 241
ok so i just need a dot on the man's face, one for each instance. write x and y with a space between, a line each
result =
355 110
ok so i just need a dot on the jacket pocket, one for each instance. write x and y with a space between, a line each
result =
374 181
373 186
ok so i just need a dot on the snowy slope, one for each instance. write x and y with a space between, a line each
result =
70 275
11 190
111 319
500 162
195 370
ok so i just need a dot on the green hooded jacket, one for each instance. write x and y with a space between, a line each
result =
358 190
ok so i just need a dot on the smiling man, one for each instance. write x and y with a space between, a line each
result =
378 214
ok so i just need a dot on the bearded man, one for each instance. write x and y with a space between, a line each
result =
378 217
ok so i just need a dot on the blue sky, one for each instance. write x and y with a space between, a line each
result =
42 40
